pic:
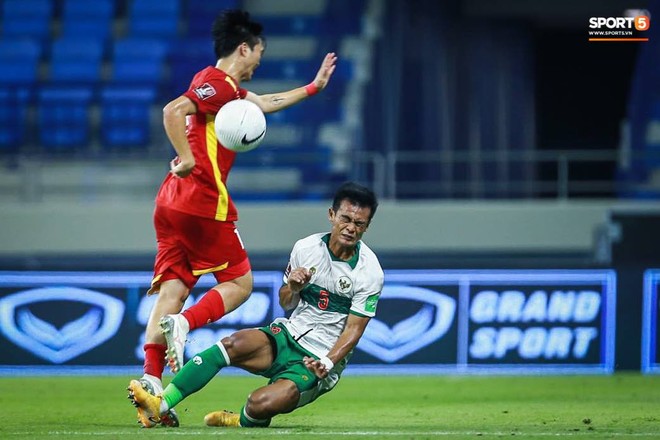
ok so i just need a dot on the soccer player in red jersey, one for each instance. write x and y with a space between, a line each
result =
194 215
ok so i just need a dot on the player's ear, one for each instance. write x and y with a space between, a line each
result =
243 49
331 214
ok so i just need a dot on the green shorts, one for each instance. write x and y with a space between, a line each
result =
288 362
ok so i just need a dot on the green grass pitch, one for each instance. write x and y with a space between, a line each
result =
399 407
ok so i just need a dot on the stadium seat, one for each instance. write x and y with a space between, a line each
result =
125 116
75 60
188 56
199 15
153 18
138 60
13 117
19 61
27 18
292 25
88 19
63 118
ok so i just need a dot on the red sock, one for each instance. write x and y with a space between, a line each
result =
154 359
208 309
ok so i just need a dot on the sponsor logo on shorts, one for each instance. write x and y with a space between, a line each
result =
197 360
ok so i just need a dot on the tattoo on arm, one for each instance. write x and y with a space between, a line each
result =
277 100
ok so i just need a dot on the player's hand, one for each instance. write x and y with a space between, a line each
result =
181 168
316 367
298 278
325 71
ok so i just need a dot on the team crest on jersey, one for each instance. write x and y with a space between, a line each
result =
344 285
275 329
205 91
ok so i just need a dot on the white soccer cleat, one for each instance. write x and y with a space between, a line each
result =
175 330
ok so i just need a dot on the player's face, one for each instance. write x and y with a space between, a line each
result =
253 60
349 223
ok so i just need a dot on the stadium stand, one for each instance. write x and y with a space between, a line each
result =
154 18
125 116
138 60
32 18
13 119
19 61
88 19
76 61
63 116
88 77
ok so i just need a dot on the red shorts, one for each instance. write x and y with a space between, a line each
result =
190 246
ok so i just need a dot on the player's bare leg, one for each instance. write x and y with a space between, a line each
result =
262 405
230 294
170 299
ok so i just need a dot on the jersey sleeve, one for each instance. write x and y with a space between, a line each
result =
213 94
365 302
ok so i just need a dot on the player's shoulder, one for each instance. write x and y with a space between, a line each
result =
217 77
370 259
310 242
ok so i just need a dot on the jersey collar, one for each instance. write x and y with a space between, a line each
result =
352 262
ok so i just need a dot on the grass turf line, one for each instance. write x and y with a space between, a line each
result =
618 406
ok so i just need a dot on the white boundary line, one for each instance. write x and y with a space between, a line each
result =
280 432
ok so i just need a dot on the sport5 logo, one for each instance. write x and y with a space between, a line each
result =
58 345
414 332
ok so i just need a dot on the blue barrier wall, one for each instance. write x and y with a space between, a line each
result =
436 321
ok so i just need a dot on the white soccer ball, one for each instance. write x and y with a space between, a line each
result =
240 125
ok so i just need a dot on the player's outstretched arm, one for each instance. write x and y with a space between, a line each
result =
273 102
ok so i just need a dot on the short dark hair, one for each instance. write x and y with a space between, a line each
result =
356 194
232 28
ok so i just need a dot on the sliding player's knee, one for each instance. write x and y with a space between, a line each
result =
262 404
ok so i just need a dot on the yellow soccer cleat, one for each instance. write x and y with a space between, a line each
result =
223 418
148 405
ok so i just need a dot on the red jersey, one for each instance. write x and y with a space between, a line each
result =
204 192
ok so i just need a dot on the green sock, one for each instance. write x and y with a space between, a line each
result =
196 373
250 422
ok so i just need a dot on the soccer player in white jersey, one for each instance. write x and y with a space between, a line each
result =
334 281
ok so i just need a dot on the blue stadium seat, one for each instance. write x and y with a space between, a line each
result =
88 19
199 15
295 25
153 18
27 18
63 118
76 60
138 61
125 116
19 61
187 57
13 117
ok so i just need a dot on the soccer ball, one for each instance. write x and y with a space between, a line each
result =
240 125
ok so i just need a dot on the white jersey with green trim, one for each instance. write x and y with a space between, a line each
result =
336 289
